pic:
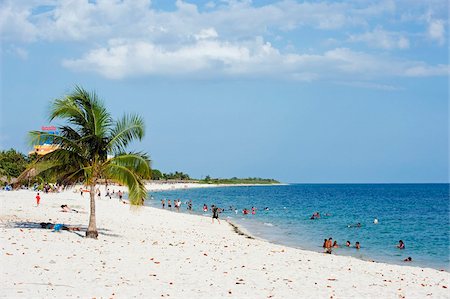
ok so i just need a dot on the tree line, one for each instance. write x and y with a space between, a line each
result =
13 163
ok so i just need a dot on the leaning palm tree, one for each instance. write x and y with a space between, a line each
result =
91 147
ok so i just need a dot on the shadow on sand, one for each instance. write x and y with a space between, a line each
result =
80 232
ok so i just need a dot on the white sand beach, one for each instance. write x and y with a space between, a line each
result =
153 253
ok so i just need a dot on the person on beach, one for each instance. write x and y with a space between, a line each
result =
215 213
245 211
169 204
205 208
401 245
324 243
65 208
120 195
189 205
253 210
81 191
335 244
357 245
163 203
38 199
348 244
58 226
329 245
177 204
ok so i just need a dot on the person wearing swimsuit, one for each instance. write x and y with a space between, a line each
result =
215 213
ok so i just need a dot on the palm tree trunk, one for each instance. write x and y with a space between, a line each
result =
92 227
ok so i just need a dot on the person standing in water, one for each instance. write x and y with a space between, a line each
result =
329 245
401 245
215 213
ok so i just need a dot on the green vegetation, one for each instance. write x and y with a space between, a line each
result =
89 136
235 180
12 164
179 176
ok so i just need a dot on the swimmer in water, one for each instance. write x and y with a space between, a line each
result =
401 245
355 225
408 259
375 221
357 246
348 243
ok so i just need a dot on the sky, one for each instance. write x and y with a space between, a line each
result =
301 91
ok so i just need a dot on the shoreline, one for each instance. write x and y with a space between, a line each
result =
256 228
242 231
149 252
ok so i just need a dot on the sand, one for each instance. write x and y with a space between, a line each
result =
153 253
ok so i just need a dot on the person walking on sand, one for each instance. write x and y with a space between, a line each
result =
38 199
215 213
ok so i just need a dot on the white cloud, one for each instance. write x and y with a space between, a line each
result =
206 34
19 52
369 85
105 19
436 31
252 58
379 38
14 23
228 38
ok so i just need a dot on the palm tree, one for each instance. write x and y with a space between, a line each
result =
92 148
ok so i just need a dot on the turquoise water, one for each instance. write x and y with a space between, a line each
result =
418 214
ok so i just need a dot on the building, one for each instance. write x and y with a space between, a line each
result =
45 145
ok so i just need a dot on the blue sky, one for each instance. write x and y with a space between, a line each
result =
301 91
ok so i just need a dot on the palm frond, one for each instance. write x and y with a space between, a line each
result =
139 163
128 128
127 177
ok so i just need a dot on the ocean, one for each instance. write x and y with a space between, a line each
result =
418 214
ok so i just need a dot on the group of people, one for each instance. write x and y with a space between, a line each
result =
328 245
112 194
176 204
